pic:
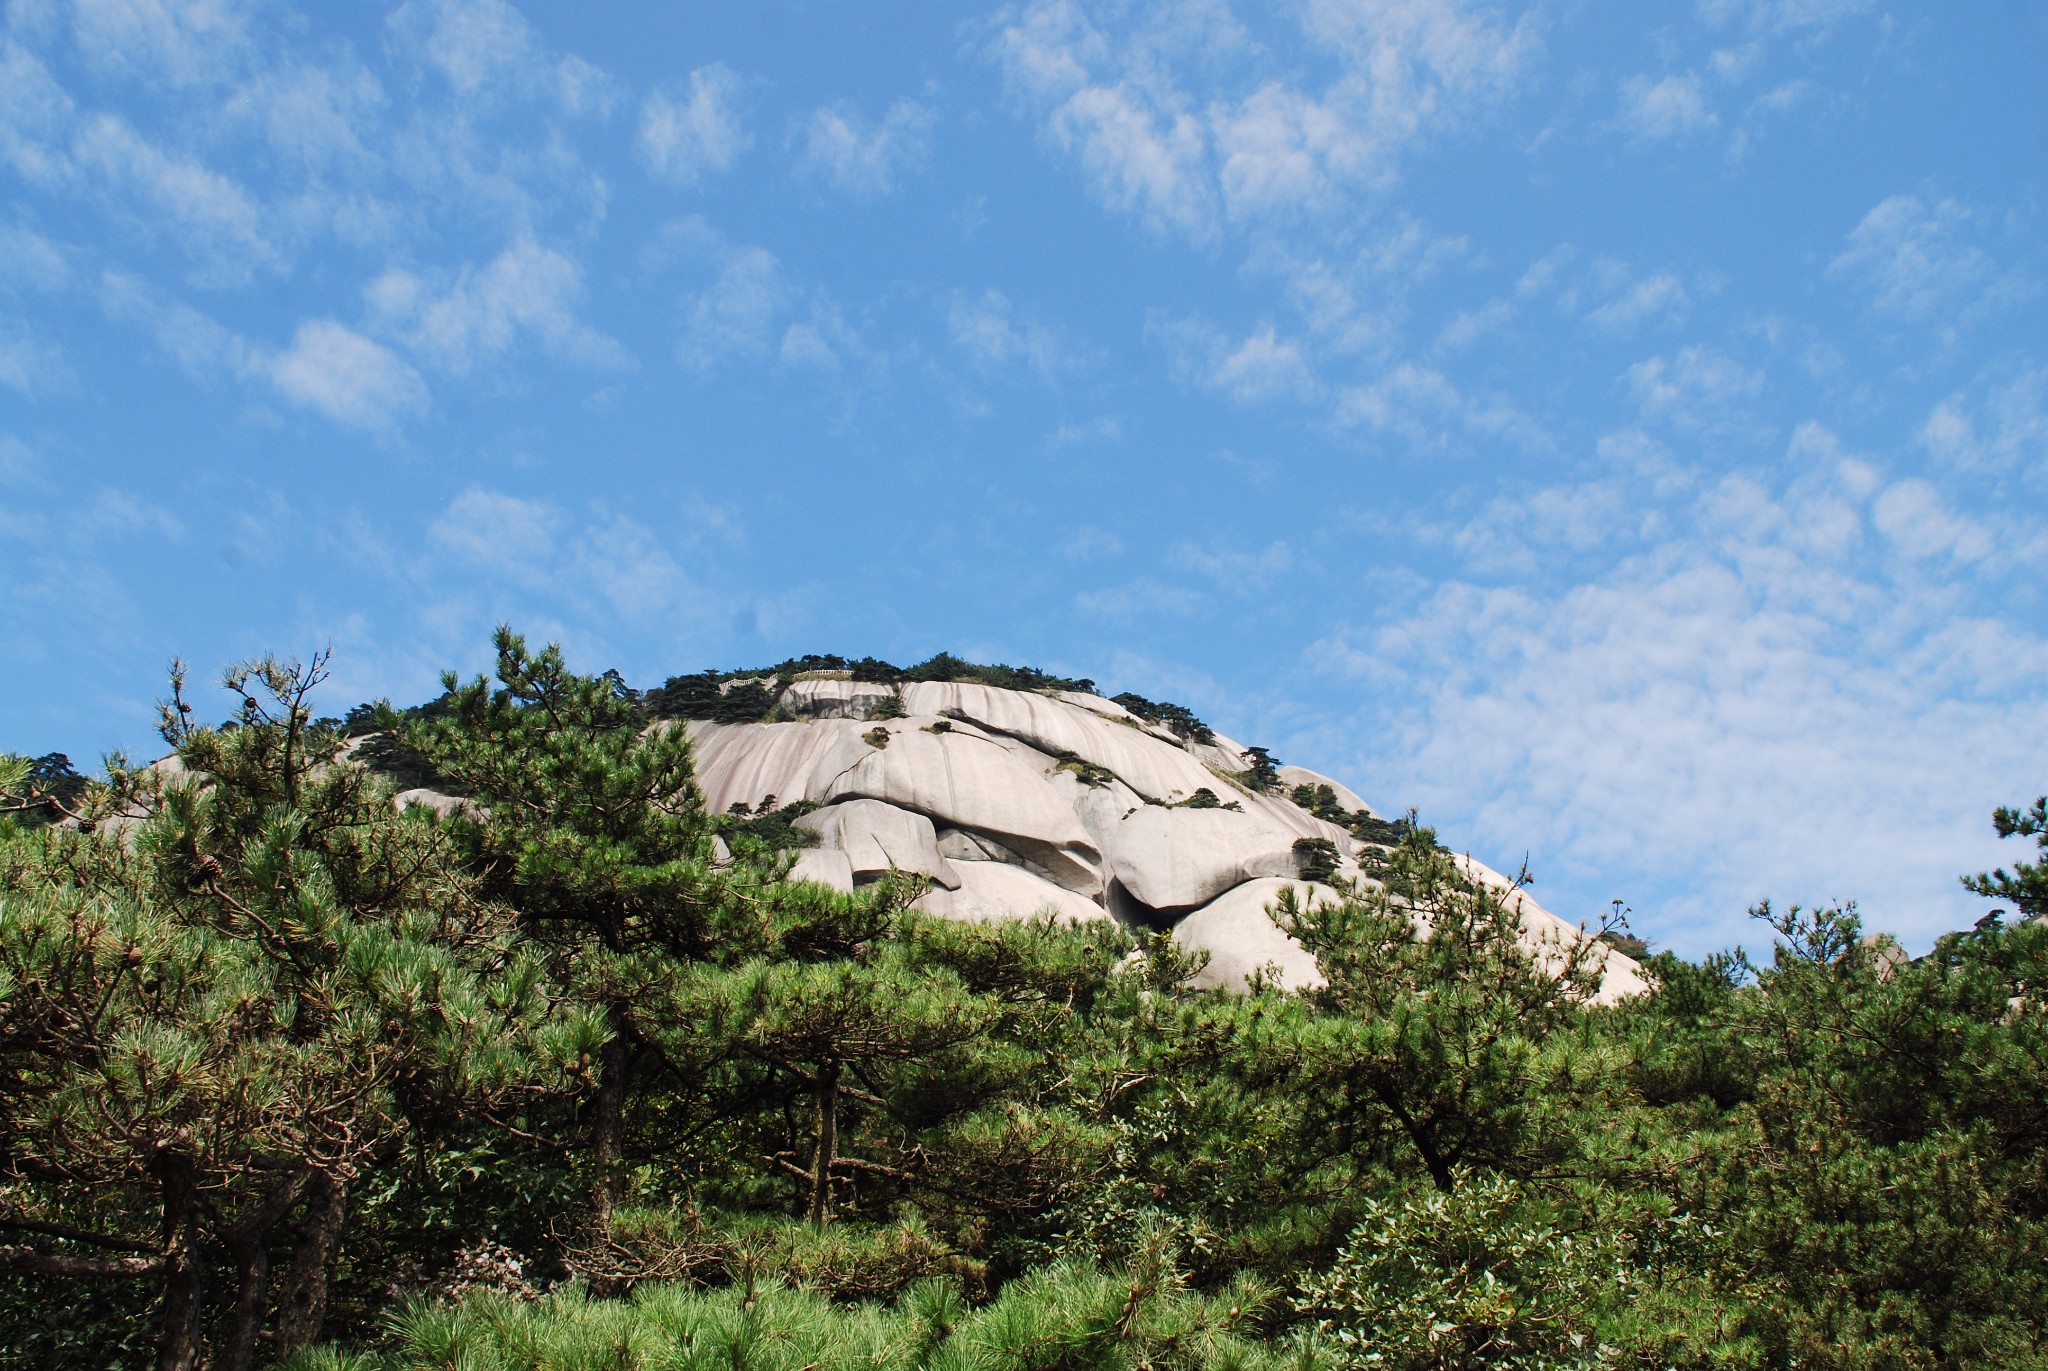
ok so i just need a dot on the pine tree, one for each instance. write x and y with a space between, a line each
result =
1439 1026
223 997
757 1029
2026 885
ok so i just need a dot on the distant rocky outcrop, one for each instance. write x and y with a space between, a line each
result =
1017 802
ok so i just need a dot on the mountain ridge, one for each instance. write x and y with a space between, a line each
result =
1015 792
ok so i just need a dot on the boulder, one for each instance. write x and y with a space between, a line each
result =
1172 859
879 838
826 866
1055 728
746 763
962 781
446 806
1239 935
994 892
957 844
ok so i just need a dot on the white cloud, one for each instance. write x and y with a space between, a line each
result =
2002 427
684 138
1260 367
1088 542
323 118
500 534
1682 729
1240 572
180 42
751 307
1653 297
853 155
526 289
1103 428
1172 122
328 368
21 466
487 50
35 117
1699 386
201 346
1143 162
1675 107
736 315
349 378
29 365
1913 515
1784 16
1913 259
1422 405
989 331
824 340
599 568
1144 598
220 222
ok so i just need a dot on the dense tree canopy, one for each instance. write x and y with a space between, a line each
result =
565 1072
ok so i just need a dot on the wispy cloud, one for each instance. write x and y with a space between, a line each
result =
1172 124
1915 259
1145 598
328 367
599 566
487 50
1658 111
685 137
526 289
1662 296
1705 703
220 221
163 40
1694 387
31 365
353 380
990 330
1999 424
865 158
1259 367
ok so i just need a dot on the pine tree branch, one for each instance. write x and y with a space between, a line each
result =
51 1264
58 1230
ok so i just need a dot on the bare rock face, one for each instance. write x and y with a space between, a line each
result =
1241 939
878 838
994 892
1015 804
972 783
1179 858
836 699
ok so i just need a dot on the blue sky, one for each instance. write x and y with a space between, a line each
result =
1620 431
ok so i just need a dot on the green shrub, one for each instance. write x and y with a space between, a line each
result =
1177 718
1474 1277
1315 859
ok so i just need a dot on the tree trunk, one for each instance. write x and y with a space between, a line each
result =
1421 1134
607 1120
249 1241
827 1150
302 1306
184 1266
252 1298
